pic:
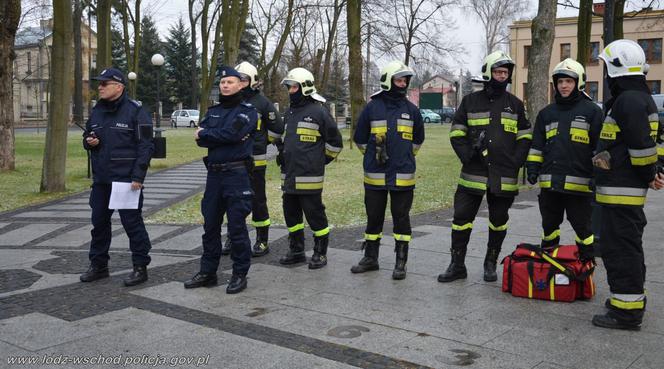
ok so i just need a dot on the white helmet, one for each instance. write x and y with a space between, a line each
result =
572 69
304 78
250 71
494 60
624 58
394 69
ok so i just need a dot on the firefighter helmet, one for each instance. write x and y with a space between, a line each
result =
250 71
572 69
494 60
394 69
624 58
304 78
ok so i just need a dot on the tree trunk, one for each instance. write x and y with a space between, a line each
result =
353 19
618 16
583 31
104 57
55 153
338 8
208 70
543 33
10 13
78 64
234 18
607 35
194 56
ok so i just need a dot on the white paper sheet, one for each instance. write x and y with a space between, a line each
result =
123 197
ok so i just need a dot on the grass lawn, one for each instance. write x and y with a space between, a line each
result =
437 174
20 188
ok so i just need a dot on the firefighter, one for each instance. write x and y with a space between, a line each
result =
311 141
564 137
625 166
491 136
268 130
389 133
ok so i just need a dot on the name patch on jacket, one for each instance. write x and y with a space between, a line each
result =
121 125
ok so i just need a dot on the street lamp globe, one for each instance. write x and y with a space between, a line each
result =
157 60
131 76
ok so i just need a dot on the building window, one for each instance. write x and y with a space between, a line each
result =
592 89
593 51
29 62
653 49
565 51
526 56
655 87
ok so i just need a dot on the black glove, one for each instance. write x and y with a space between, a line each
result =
587 253
280 158
532 178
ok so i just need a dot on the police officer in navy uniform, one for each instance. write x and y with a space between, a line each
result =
389 132
269 130
119 137
226 132
311 141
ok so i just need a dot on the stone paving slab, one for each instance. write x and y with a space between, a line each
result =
74 238
28 233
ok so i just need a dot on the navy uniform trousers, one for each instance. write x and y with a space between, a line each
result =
132 221
226 193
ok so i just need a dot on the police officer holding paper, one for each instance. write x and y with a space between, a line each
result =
119 137
226 132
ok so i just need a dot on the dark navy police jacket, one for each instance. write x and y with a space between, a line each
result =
224 130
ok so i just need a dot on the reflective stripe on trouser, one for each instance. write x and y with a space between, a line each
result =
311 206
260 216
260 160
622 253
309 183
553 206
375 202
473 181
466 206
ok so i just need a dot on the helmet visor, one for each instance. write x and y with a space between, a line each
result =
565 73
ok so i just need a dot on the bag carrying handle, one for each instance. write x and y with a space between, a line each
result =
554 262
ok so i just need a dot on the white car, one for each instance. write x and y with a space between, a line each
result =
184 118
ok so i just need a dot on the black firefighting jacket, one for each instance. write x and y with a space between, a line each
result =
400 123
564 138
492 162
311 140
270 127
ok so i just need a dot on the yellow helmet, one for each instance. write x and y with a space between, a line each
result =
394 69
573 69
304 78
250 71
494 60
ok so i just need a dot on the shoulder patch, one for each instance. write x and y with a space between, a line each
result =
136 103
272 115
405 116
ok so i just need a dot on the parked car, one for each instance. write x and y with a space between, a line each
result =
184 118
428 116
659 101
446 114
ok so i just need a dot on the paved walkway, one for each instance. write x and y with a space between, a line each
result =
291 317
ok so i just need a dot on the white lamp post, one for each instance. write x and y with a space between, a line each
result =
132 83
158 60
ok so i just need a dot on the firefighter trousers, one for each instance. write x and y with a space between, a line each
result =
466 206
260 217
375 202
554 205
312 207
622 253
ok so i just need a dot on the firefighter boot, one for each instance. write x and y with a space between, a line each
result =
319 258
490 261
226 247
370 260
295 249
260 248
401 249
457 268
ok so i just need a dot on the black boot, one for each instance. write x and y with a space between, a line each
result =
401 249
94 273
457 268
260 248
370 260
607 321
319 258
202 280
138 276
237 284
490 264
226 247
295 249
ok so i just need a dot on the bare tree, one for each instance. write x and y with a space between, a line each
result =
583 31
194 15
234 18
104 56
78 63
332 16
543 33
414 29
55 153
495 16
354 21
208 67
10 13
133 19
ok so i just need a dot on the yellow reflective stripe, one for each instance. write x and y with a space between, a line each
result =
647 160
545 184
552 290
260 223
551 236
479 122
551 261
509 187
322 232
332 154
527 136
627 305
373 237
535 158
260 163
497 228
407 129
530 289
620 200
587 241
634 69
401 237
576 187
374 181
508 121
296 228
551 133
405 182
308 185
307 131
660 151
379 129
457 133
462 227
472 184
